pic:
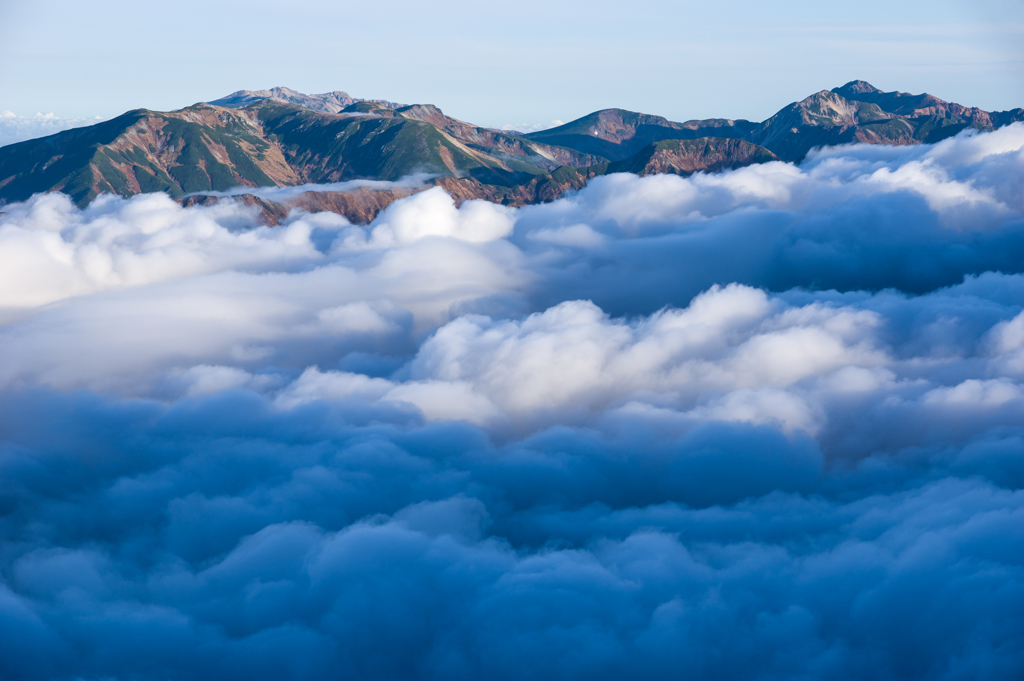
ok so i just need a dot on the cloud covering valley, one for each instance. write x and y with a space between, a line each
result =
759 424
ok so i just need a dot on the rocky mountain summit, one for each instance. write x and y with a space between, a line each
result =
860 112
281 137
329 102
855 112
616 134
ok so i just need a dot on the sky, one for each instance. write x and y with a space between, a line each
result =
525 64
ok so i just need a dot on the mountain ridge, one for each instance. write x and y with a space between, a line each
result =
328 102
281 137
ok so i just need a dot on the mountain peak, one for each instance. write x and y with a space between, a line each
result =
856 87
210 148
329 102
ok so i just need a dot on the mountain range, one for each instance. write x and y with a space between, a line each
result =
281 137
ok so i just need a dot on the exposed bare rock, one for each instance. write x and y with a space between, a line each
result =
269 212
685 157
360 206
616 134
330 102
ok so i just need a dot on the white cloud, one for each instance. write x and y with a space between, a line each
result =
204 379
207 286
433 214
580 236
15 128
975 393
314 384
49 250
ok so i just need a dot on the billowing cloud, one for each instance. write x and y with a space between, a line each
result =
849 218
758 424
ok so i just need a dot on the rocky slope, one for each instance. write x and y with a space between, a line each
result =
616 134
684 157
855 112
827 118
285 138
329 102
210 148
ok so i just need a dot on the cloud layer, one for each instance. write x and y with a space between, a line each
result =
759 424
15 128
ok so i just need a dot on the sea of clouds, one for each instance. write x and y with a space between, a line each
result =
763 424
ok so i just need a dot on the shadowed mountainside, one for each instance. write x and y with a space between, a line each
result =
616 134
855 112
685 156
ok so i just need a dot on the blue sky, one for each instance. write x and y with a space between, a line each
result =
525 63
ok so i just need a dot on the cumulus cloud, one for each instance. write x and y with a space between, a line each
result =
433 214
758 424
51 250
850 218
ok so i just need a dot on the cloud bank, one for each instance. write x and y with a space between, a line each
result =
759 424
15 128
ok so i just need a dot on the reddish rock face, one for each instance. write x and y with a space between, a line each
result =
359 206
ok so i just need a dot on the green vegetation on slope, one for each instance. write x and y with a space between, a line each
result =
62 161
270 142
